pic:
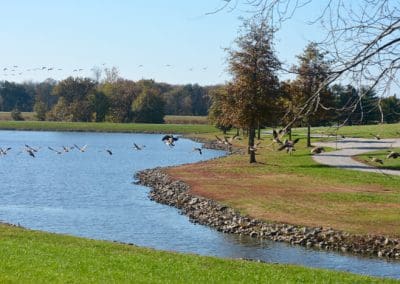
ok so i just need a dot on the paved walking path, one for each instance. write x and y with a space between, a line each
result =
354 146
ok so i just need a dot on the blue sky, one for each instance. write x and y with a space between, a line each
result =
75 34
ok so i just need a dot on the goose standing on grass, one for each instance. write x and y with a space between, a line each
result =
289 146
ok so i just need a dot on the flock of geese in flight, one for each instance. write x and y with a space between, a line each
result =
17 70
169 140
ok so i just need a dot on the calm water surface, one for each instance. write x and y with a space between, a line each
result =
91 195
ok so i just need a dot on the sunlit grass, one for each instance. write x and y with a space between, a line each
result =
358 131
391 164
38 257
297 190
107 127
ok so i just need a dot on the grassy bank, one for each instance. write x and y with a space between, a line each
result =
107 127
31 256
359 131
185 119
391 164
297 190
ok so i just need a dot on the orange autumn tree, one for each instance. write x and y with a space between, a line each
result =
252 95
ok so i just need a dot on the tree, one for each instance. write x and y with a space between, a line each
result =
254 89
15 96
120 95
217 113
75 104
391 109
362 37
312 72
148 107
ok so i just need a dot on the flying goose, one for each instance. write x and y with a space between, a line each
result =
376 160
83 149
393 155
137 147
275 137
377 136
31 148
169 140
54 150
197 149
289 146
3 152
317 150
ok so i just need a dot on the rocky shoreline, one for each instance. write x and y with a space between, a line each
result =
208 212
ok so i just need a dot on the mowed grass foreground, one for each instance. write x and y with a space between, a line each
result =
37 257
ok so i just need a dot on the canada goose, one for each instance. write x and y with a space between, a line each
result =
54 150
137 147
393 155
67 149
276 138
198 149
30 152
377 136
317 150
109 152
229 140
169 140
3 152
255 147
31 148
376 160
83 149
289 146
219 140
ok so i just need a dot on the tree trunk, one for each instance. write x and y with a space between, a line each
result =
290 134
308 135
259 132
252 134
237 131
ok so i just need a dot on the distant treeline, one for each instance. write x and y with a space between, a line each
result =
117 100
121 100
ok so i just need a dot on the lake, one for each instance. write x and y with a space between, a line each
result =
91 194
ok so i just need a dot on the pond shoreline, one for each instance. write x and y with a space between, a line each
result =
166 190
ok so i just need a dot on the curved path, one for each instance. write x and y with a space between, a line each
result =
354 146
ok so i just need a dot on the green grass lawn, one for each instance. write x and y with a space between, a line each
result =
107 127
391 164
37 257
185 119
364 131
297 190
